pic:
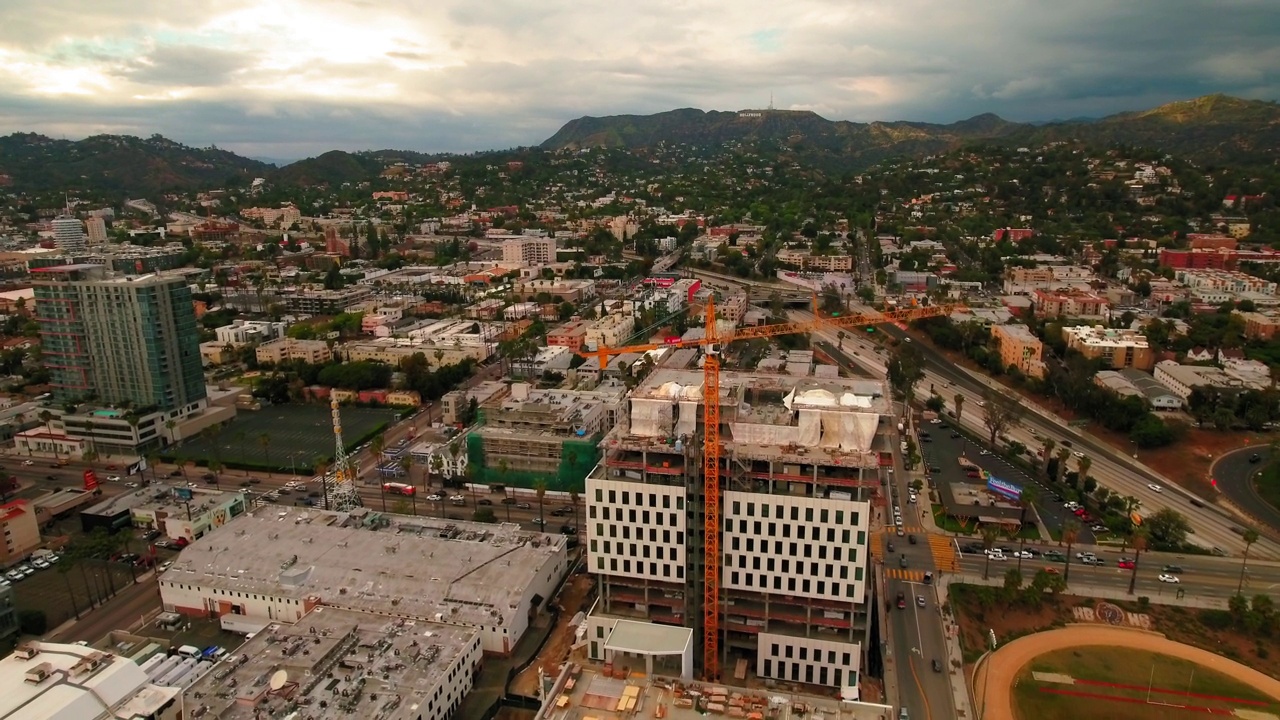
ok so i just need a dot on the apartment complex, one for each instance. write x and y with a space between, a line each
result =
97 230
241 332
454 404
806 260
610 331
123 340
801 465
571 334
529 250
1118 348
68 234
1072 304
1020 348
1259 326
1227 281
326 302
282 349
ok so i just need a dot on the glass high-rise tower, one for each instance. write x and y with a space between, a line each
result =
119 339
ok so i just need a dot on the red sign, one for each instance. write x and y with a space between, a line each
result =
673 340
90 480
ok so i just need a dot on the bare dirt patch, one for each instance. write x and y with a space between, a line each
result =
572 598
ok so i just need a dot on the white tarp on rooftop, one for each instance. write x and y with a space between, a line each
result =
756 434
688 422
848 431
810 429
651 418
676 391
825 398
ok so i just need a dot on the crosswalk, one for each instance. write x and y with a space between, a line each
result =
945 556
907 575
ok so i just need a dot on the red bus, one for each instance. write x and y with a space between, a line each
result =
397 488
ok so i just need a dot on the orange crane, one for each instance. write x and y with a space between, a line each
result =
711 343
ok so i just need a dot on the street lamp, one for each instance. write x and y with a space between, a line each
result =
986 670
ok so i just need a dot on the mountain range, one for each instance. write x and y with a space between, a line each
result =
1210 129
1214 128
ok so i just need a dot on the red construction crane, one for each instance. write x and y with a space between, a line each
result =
711 343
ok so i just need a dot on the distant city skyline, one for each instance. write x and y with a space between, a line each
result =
288 79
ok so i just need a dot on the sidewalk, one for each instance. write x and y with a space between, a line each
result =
955 655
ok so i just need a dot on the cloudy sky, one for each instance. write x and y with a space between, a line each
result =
293 78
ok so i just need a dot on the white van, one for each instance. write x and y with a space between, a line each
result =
189 651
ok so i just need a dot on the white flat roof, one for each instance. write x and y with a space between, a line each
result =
648 638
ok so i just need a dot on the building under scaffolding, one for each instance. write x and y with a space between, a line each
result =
802 461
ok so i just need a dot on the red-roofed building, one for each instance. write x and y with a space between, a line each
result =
1012 234
21 531
1205 258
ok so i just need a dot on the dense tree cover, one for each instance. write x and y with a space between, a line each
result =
289 380
361 375
1229 408
343 323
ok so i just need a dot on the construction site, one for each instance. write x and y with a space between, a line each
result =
800 462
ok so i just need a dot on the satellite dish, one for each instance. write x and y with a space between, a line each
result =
279 679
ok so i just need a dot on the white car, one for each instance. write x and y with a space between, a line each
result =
997 555
40 564
1078 454
458 498
131 484
1155 487
935 421
28 463
1024 554
435 497
912 499
114 478
1166 578
984 451
164 566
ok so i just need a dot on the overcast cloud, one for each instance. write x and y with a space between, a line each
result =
293 78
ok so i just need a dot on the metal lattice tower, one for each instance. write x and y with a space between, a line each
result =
342 481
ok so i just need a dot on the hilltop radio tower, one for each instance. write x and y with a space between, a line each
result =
342 482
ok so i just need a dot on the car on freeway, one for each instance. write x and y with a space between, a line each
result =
902 600
1254 458
28 463
114 478
1091 561
919 601
538 521
131 484
1155 487
1098 528
1171 569
997 556
1054 555
1024 554
1167 578
457 498
435 497
1125 564
523 506
484 501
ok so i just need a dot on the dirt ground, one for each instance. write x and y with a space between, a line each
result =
1176 623
572 598
993 680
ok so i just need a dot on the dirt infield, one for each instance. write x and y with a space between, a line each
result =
1005 664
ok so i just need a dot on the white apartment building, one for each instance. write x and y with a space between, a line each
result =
241 332
1224 281
529 250
610 331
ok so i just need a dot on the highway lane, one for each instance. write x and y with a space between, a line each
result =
1111 468
1235 473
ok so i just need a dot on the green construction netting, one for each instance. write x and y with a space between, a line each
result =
577 458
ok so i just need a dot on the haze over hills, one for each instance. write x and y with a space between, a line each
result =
1210 129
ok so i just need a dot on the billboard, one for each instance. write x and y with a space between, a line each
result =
90 480
1003 488
183 494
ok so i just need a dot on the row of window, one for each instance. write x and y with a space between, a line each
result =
789 650
805 586
641 499
780 512
737 540
643 517
770 566
627 533
806 675
655 569
771 530
630 549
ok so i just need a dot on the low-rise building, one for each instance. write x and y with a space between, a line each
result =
574 291
326 302
571 334
1135 383
454 404
1224 281
241 332
282 562
1183 379
394 351
72 681
1020 348
1072 304
21 531
806 260
1118 348
610 331
282 349
422 670
184 512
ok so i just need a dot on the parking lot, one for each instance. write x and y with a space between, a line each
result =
59 593
943 450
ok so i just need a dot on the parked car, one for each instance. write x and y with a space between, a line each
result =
484 501
524 506
1254 458
1125 564
435 497
508 501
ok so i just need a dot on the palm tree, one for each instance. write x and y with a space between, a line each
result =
153 459
959 407
239 436
1250 536
46 417
573 499
321 467
1049 445
840 336
1139 544
990 534
377 445
1082 467
170 425
215 467
540 489
1070 532
435 464
64 569
265 441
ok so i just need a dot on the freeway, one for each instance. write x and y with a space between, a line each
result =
1199 575
1234 474
1113 469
